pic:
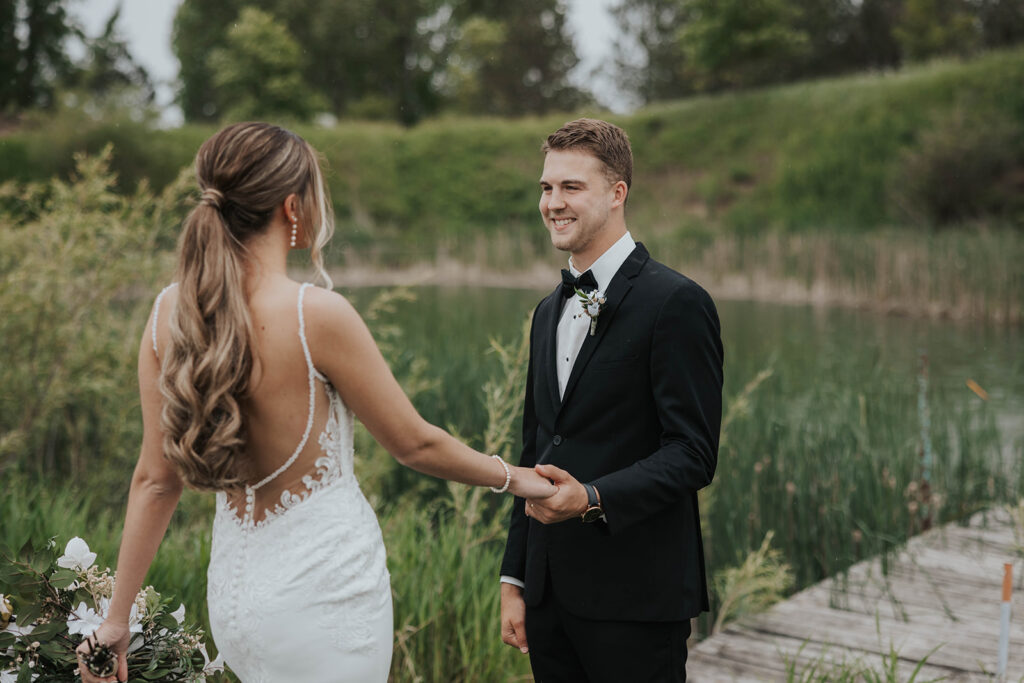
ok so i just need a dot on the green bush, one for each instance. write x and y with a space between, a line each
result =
74 257
968 166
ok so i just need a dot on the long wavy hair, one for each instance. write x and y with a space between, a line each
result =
245 172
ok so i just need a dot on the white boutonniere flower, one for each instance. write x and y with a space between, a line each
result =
592 304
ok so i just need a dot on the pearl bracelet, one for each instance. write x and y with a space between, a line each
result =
508 475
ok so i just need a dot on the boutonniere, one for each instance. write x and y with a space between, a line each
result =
592 304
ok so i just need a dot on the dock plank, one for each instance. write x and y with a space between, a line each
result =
939 597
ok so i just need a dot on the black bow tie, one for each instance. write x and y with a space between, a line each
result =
585 283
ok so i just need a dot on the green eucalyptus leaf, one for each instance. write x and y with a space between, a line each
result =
7 571
166 621
25 675
62 578
155 674
26 553
48 630
29 614
6 640
57 651
82 595
44 559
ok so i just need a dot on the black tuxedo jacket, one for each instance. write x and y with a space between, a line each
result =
640 420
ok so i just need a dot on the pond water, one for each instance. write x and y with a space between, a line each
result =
805 346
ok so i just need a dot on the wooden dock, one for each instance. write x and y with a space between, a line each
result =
938 598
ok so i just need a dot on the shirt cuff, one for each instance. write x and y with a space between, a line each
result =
513 581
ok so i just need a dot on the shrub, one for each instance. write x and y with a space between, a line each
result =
968 165
77 261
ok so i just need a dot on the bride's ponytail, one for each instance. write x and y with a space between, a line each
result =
245 172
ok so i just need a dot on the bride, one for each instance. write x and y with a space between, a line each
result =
249 382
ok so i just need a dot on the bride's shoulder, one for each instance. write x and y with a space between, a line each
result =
328 311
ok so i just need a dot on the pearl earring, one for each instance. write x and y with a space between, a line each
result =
295 231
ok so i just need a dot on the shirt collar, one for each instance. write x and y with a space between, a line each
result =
608 263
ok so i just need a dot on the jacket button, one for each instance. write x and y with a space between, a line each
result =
557 440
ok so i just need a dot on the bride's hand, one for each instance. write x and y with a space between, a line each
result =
116 637
526 483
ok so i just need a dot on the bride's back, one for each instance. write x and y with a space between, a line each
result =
276 411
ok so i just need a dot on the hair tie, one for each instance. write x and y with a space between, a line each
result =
212 197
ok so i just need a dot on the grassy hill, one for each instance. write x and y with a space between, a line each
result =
836 154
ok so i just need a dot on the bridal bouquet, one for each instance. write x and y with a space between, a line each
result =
49 604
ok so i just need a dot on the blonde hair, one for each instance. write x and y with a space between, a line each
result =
245 172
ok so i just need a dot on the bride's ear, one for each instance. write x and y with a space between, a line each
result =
290 207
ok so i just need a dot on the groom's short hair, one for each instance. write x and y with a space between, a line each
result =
604 140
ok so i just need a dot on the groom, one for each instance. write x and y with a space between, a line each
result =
623 408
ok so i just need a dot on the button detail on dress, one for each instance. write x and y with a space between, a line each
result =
557 440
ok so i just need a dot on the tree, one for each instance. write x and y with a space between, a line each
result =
935 27
200 27
480 42
529 72
33 57
258 72
110 74
1002 21
741 43
362 55
648 59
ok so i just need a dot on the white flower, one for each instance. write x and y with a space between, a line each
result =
76 555
179 614
136 644
214 666
18 630
134 620
593 310
84 620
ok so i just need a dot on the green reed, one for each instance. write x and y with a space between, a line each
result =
826 457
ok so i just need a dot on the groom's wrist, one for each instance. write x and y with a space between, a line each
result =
511 581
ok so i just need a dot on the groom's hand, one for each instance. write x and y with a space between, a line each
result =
570 500
513 617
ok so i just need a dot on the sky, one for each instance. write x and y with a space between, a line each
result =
146 24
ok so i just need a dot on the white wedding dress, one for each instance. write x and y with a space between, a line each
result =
303 594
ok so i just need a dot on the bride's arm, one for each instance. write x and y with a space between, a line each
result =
343 349
155 491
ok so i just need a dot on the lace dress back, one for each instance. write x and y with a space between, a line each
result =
299 591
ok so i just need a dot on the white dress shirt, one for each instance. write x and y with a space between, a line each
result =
574 325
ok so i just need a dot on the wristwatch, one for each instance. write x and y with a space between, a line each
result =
593 511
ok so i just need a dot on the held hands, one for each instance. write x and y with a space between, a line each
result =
116 637
570 499
526 483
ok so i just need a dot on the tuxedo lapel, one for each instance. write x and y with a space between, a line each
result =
618 290
547 336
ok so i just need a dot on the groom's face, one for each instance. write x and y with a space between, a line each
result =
575 199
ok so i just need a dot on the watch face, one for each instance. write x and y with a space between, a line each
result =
592 514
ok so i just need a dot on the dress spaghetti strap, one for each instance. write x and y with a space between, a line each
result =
156 312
